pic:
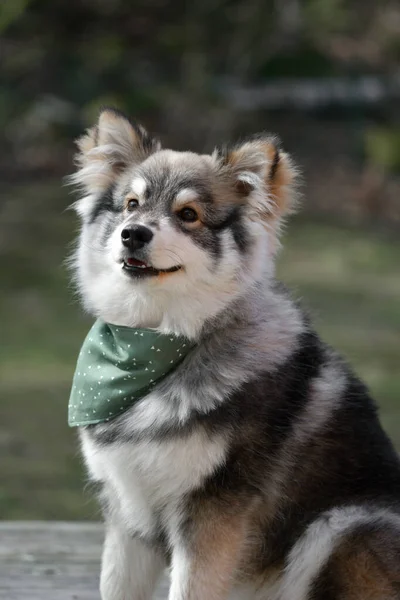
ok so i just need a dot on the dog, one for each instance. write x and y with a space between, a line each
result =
257 467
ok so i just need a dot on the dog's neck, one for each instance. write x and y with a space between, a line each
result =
183 314
186 311
195 317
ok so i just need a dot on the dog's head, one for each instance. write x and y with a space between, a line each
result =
169 238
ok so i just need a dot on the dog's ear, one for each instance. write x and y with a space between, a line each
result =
108 148
263 177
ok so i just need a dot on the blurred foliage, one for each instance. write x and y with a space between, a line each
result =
382 146
163 61
10 11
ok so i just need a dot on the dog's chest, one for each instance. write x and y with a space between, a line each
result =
148 478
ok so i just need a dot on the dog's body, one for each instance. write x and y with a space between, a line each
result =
257 469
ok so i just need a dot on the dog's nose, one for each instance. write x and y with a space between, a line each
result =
136 237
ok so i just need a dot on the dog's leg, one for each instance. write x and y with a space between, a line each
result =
364 566
130 569
348 554
205 560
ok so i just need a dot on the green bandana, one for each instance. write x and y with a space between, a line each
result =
117 366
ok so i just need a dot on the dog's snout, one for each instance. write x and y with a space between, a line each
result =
136 237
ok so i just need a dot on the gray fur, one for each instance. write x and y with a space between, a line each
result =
262 436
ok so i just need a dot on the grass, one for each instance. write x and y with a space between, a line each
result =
348 278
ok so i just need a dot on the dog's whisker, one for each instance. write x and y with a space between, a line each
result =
174 255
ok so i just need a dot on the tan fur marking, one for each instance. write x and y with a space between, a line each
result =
165 274
218 542
363 575
280 184
217 555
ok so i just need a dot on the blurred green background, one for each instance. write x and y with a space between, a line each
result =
323 74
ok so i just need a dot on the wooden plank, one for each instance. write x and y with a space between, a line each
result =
52 561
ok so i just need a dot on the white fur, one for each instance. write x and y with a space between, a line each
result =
325 397
184 196
147 480
180 573
150 475
130 568
84 206
138 187
253 179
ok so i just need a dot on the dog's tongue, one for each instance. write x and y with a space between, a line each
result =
135 263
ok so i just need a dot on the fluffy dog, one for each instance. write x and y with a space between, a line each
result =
257 468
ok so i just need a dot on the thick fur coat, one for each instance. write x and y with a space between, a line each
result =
258 468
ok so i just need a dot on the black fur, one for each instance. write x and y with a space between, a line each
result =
350 462
105 203
274 165
233 222
326 586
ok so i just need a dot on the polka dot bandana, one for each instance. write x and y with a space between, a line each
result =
116 367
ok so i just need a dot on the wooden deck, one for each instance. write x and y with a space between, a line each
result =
52 561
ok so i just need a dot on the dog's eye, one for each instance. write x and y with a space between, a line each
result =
132 203
189 215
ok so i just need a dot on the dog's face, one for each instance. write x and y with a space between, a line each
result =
169 238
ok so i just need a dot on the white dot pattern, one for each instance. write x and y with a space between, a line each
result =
117 366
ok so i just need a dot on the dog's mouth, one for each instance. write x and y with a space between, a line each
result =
138 268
